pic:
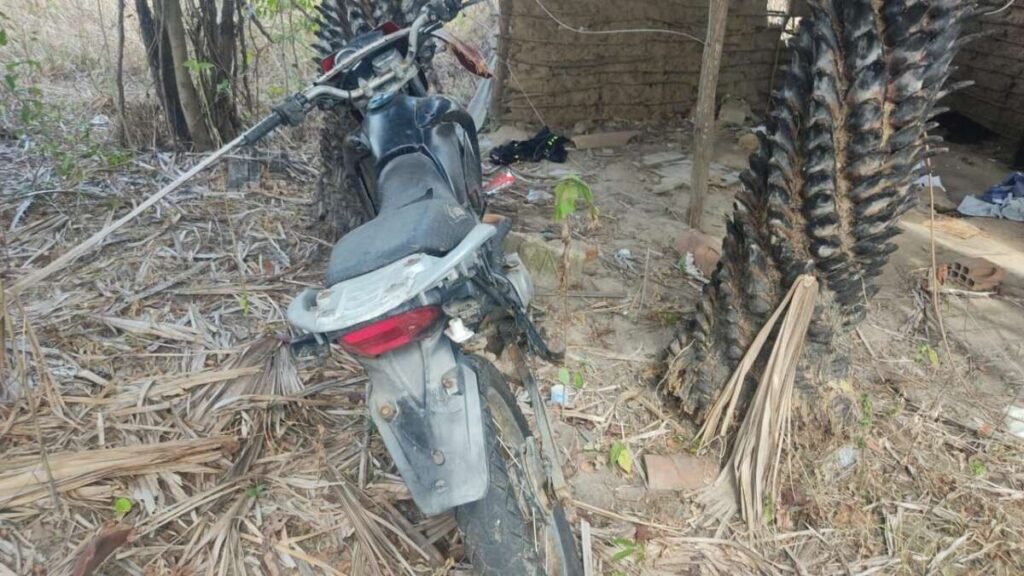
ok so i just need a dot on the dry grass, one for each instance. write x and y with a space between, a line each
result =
165 341
919 486
72 45
154 370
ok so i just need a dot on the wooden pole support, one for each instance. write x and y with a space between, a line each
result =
704 119
501 69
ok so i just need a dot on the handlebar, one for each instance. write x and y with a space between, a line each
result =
257 132
292 111
412 32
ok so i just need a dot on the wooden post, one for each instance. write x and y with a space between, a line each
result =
501 68
704 119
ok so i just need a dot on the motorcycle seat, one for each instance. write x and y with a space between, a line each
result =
419 215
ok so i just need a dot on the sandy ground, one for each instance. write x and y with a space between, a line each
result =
619 316
142 343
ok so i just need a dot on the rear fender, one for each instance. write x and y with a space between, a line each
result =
424 401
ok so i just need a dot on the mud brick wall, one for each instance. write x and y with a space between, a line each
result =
571 77
996 65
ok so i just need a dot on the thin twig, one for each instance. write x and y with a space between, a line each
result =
582 30
933 282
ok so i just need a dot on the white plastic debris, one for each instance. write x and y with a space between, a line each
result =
457 331
559 395
1015 420
535 196
839 461
624 258
930 179
690 268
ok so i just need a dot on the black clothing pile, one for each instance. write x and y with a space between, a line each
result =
546 145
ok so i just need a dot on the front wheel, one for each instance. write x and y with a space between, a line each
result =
516 529
338 205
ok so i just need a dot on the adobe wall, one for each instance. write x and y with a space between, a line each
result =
571 77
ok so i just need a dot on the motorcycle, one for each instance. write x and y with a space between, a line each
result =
407 291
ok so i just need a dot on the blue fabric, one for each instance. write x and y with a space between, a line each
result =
1012 187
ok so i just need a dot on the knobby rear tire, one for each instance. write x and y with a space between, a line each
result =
513 530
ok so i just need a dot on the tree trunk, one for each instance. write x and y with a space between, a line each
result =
190 103
161 68
226 41
122 131
704 119
216 43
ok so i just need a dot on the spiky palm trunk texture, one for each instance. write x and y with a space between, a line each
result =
823 194
338 207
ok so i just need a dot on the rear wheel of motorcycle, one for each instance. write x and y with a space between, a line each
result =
338 204
516 528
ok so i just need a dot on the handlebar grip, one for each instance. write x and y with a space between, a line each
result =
266 126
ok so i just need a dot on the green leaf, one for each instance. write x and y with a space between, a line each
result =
194 65
3 37
122 506
621 554
256 491
768 511
867 411
625 549
563 376
927 355
565 201
567 193
977 467
621 456
578 381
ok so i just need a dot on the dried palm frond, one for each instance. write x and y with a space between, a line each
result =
265 369
24 481
379 554
753 463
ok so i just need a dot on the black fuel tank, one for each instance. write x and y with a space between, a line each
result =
435 126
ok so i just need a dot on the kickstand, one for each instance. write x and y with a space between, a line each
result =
547 439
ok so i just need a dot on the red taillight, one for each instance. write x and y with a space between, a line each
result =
390 333
327 64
